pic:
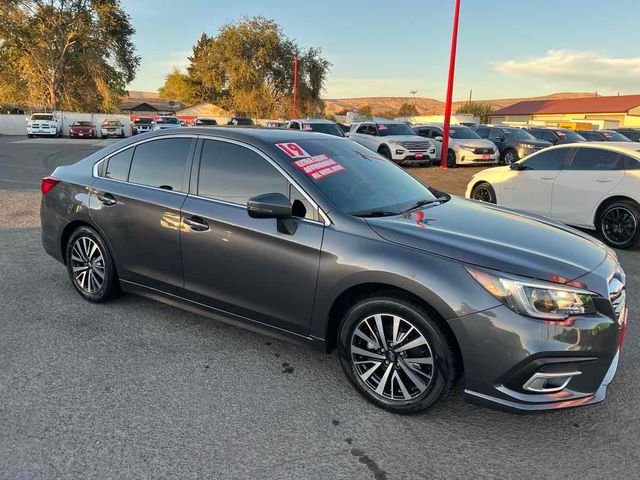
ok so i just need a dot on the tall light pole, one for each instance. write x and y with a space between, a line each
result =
447 108
295 85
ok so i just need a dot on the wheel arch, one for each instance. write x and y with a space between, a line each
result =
608 201
352 294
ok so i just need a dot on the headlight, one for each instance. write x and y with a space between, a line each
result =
529 297
395 142
467 147
527 145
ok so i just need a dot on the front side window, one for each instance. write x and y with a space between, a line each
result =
496 135
118 165
364 129
233 173
596 159
160 163
483 132
631 163
546 160
356 179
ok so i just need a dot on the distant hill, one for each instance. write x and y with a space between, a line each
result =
428 106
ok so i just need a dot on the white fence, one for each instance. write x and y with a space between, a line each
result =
17 124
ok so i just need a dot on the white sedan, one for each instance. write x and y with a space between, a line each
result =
594 186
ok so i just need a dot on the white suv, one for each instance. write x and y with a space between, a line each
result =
466 147
44 124
394 140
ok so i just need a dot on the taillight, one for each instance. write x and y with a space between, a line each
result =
47 184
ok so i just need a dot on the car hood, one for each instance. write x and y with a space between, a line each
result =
407 138
495 237
80 127
535 143
472 142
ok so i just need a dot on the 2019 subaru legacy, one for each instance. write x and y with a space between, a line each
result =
322 241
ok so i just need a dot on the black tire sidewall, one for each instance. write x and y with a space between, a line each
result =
110 286
635 210
444 371
385 152
492 192
504 156
451 159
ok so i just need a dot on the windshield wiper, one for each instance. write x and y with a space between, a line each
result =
426 201
374 213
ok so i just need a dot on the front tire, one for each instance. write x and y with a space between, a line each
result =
90 266
619 224
385 152
405 369
484 192
451 159
509 157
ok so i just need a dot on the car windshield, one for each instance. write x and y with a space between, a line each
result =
329 128
144 120
358 180
242 121
172 120
387 129
570 135
205 121
42 116
111 123
462 132
81 124
614 136
517 134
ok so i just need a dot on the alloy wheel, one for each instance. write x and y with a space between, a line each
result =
392 357
509 158
87 264
619 225
482 194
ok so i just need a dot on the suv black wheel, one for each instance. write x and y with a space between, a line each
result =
483 192
509 156
619 224
91 267
385 152
396 354
451 159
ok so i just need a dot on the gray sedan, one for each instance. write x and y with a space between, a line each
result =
321 241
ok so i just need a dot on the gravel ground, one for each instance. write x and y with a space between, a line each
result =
135 389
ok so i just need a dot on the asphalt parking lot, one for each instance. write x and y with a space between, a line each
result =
135 389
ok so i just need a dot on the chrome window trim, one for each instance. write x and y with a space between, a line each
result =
326 220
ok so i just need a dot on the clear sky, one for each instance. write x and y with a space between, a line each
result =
506 48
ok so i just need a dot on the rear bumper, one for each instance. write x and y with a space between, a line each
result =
502 351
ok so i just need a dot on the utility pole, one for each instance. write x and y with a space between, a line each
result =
452 68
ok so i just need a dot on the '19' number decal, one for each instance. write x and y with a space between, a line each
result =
292 149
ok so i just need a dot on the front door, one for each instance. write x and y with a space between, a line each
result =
136 203
244 265
531 188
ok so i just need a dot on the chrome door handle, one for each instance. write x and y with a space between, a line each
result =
197 224
547 178
107 199
603 180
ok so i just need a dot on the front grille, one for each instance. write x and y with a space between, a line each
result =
483 151
416 146
35 125
617 293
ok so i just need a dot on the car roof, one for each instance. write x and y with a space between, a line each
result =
312 120
630 148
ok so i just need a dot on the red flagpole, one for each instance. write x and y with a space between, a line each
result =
452 67
295 85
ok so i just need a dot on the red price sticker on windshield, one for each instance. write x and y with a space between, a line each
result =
319 166
292 149
306 127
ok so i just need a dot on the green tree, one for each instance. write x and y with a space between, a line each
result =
178 86
481 110
407 110
248 68
70 54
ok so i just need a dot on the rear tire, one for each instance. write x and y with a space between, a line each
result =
619 224
484 192
90 266
384 373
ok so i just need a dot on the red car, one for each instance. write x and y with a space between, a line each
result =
83 130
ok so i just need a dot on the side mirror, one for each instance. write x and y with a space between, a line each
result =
516 166
273 205
438 138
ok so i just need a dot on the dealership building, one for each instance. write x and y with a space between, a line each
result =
588 113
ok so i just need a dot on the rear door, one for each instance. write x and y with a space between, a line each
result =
531 188
244 265
136 203
584 183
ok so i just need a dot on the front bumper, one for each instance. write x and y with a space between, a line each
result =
502 350
402 155
111 133
42 131
468 157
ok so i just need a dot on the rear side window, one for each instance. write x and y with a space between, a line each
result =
233 173
631 163
160 163
483 132
547 160
596 159
118 165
